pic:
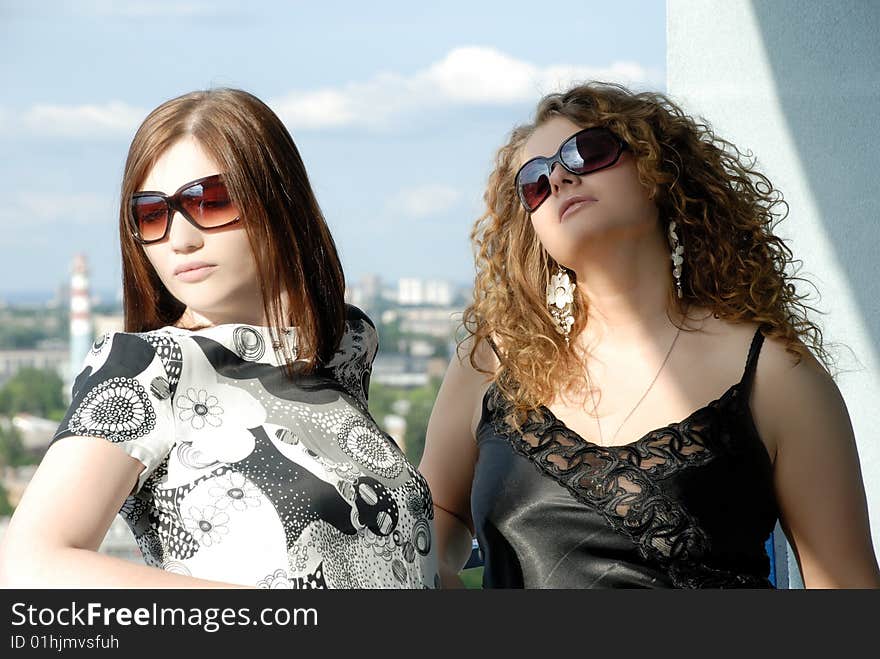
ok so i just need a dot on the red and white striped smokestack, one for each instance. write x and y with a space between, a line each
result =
80 320
80 316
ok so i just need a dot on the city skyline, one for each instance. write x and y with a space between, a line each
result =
398 290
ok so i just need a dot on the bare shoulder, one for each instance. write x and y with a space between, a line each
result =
797 399
477 356
471 372
789 389
793 375
776 363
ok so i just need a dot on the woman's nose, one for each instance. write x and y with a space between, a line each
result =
183 236
559 175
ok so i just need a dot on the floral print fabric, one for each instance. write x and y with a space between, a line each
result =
251 477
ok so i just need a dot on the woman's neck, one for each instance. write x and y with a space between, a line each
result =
253 314
626 287
192 319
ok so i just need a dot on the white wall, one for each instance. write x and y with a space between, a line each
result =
798 83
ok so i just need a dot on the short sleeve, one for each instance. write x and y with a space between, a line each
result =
123 394
352 364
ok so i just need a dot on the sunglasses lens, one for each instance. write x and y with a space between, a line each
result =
591 150
150 215
534 185
208 203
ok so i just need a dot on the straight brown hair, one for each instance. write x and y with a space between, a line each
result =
266 179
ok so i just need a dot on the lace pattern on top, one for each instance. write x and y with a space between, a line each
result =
620 482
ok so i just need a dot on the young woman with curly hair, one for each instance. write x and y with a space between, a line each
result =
642 394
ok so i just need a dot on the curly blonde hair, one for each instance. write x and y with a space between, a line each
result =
725 210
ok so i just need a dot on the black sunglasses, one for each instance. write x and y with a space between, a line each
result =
584 152
205 203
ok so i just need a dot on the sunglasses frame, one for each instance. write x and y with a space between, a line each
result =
173 204
557 158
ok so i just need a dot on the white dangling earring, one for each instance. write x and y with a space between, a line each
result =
677 256
560 301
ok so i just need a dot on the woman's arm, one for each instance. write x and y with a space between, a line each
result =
53 537
817 476
450 453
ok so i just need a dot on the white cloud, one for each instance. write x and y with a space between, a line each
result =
424 201
472 75
480 76
367 103
466 76
317 109
112 119
477 75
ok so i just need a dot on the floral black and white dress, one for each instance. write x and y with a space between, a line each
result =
252 478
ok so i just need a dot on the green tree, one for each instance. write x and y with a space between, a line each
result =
381 399
12 451
21 338
34 391
421 403
5 507
391 339
24 328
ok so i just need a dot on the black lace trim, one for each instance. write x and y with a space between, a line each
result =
620 482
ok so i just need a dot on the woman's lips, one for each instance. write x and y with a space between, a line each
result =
577 205
196 274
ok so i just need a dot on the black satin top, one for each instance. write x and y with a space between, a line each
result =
685 506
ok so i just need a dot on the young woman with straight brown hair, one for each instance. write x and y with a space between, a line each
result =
237 392
642 395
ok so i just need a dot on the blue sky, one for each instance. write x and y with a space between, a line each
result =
397 109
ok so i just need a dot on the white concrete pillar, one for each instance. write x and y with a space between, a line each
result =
798 83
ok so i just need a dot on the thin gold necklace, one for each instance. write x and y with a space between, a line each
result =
657 375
